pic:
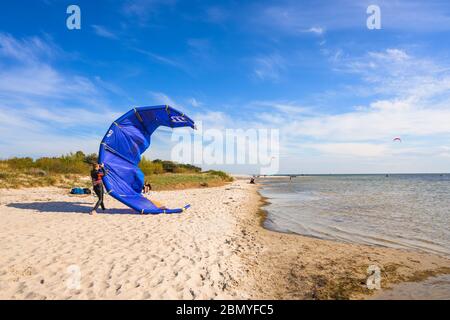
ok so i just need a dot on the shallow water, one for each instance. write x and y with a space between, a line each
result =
399 211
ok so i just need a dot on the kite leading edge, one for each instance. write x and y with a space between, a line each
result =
122 146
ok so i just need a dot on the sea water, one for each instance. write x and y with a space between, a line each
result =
398 211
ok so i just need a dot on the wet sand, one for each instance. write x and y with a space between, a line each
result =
215 250
433 288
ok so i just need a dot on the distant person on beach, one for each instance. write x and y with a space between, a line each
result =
97 173
252 180
147 187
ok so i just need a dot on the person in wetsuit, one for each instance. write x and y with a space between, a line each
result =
96 174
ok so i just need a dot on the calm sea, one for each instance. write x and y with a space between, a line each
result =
399 211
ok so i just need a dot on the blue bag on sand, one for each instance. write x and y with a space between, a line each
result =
77 191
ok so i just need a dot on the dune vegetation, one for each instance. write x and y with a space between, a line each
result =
73 170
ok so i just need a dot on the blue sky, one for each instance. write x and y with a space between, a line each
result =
337 91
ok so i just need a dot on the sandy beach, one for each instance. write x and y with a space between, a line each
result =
215 250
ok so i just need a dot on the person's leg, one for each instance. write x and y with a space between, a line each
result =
102 192
99 195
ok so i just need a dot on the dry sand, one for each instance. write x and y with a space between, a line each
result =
215 250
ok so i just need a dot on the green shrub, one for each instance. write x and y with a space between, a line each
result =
20 163
173 167
67 169
149 167
224 176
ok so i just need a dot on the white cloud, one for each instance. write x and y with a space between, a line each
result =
44 111
417 108
163 59
352 149
162 98
104 32
396 55
287 17
38 131
381 121
283 106
396 73
27 50
194 102
214 120
36 80
269 67
29 72
142 10
315 30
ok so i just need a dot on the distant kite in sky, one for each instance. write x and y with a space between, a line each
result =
397 139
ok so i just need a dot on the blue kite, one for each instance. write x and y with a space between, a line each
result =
122 146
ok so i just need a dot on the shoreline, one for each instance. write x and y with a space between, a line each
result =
265 201
218 249
417 266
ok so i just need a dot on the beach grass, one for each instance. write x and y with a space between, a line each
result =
73 170
11 179
187 180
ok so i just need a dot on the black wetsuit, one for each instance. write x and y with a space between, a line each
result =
97 183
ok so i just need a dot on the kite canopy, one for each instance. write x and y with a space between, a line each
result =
397 139
121 148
